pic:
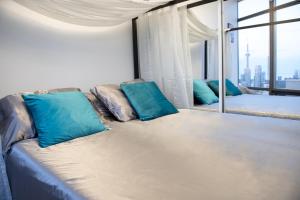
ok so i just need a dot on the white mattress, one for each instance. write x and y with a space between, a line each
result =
191 155
260 105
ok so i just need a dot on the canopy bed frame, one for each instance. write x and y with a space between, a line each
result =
184 155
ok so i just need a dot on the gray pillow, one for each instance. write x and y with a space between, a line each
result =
71 89
16 124
114 99
100 108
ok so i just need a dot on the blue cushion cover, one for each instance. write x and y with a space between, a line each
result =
147 100
214 86
231 89
60 117
203 94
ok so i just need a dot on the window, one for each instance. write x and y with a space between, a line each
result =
248 7
288 13
268 50
288 56
253 57
280 2
255 20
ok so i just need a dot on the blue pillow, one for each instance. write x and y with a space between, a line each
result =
203 94
147 100
231 89
60 117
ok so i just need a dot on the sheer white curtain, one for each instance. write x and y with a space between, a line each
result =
91 12
164 53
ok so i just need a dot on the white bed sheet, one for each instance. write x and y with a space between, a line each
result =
191 155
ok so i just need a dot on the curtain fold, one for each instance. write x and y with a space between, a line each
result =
91 12
164 53
198 34
198 31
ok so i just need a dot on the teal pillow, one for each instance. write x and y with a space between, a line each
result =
60 117
203 94
147 100
231 89
214 86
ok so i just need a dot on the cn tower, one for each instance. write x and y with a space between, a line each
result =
247 56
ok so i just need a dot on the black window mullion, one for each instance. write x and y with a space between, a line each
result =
272 52
254 15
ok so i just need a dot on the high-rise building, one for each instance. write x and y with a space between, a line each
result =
259 77
280 83
293 84
247 77
296 74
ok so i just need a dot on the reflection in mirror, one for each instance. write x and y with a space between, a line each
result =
205 56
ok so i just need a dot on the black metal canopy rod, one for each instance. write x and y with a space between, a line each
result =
174 2
171 3
191 5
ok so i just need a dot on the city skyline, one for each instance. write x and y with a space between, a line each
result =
259 79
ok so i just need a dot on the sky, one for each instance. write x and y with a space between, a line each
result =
288 40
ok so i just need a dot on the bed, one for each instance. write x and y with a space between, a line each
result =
189 155
260 105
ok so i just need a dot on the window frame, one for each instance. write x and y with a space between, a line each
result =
272 44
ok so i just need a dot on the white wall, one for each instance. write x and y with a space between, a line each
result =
37 52
208 15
